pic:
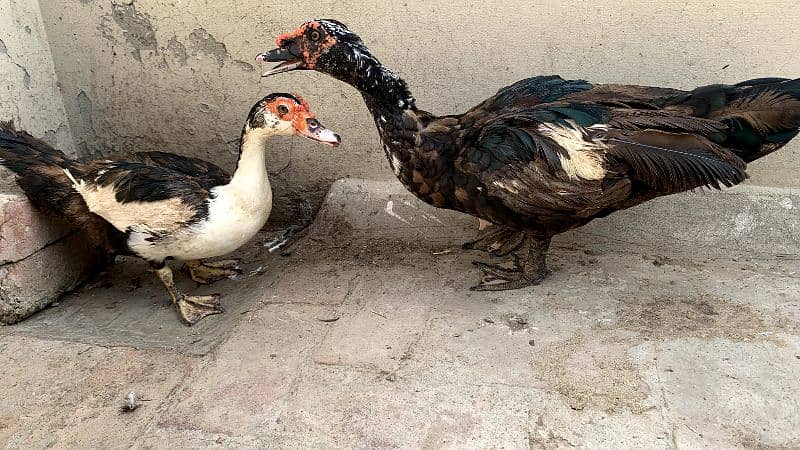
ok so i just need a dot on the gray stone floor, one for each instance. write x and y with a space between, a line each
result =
675 325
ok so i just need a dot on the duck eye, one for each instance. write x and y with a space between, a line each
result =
315 35
283 109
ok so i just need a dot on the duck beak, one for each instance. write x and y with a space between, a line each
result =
310 128
289 56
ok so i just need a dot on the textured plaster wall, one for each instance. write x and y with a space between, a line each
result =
179 75
29 91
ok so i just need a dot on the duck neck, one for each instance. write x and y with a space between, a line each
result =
251 169
383 90
388 99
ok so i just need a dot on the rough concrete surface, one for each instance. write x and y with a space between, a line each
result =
30 94
23 229
32 283
675 325
180 76
367 337
40 257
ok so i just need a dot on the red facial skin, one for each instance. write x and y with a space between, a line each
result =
311 49
297 113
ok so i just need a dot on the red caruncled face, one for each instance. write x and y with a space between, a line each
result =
294 109
302 48
312 39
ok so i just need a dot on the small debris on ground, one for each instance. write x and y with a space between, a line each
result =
132 402
388 376
260 270
328 319
377 314
515 322
443 252
488 320
519 320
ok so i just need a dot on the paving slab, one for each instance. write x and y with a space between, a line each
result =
64 394
655 330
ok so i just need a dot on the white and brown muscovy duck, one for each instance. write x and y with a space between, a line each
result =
545 154
161 206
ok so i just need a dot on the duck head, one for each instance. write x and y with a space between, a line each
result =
321 45
287 115
328 46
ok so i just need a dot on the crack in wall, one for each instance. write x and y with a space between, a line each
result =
26 76
50 244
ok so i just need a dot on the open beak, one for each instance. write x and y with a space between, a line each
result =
289 57
310 128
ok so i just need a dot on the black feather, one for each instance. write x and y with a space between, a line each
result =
205 173
678 169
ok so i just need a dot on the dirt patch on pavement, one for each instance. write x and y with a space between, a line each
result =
698 316
600 375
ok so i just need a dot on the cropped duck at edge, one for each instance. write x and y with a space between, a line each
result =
545 154
161 206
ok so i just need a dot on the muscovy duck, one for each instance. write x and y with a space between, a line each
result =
161 206
545 155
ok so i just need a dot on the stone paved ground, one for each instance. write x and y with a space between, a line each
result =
367 337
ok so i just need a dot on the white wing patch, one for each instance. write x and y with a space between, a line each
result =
397 165
163 216
513 188
585 155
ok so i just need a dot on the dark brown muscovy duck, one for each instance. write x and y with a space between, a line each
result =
161 206
545 154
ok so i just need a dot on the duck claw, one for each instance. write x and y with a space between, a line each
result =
194 308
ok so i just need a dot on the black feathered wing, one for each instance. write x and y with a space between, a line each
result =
143 197
543 164
205 173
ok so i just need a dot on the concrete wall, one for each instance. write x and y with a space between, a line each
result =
179 75
29 91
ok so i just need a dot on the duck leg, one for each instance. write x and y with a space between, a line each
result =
530 271
290 235
191 308
211 272
496 240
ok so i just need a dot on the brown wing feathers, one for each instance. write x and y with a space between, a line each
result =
674 162
674 140
760 115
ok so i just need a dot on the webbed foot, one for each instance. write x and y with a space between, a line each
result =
211 272
193 308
